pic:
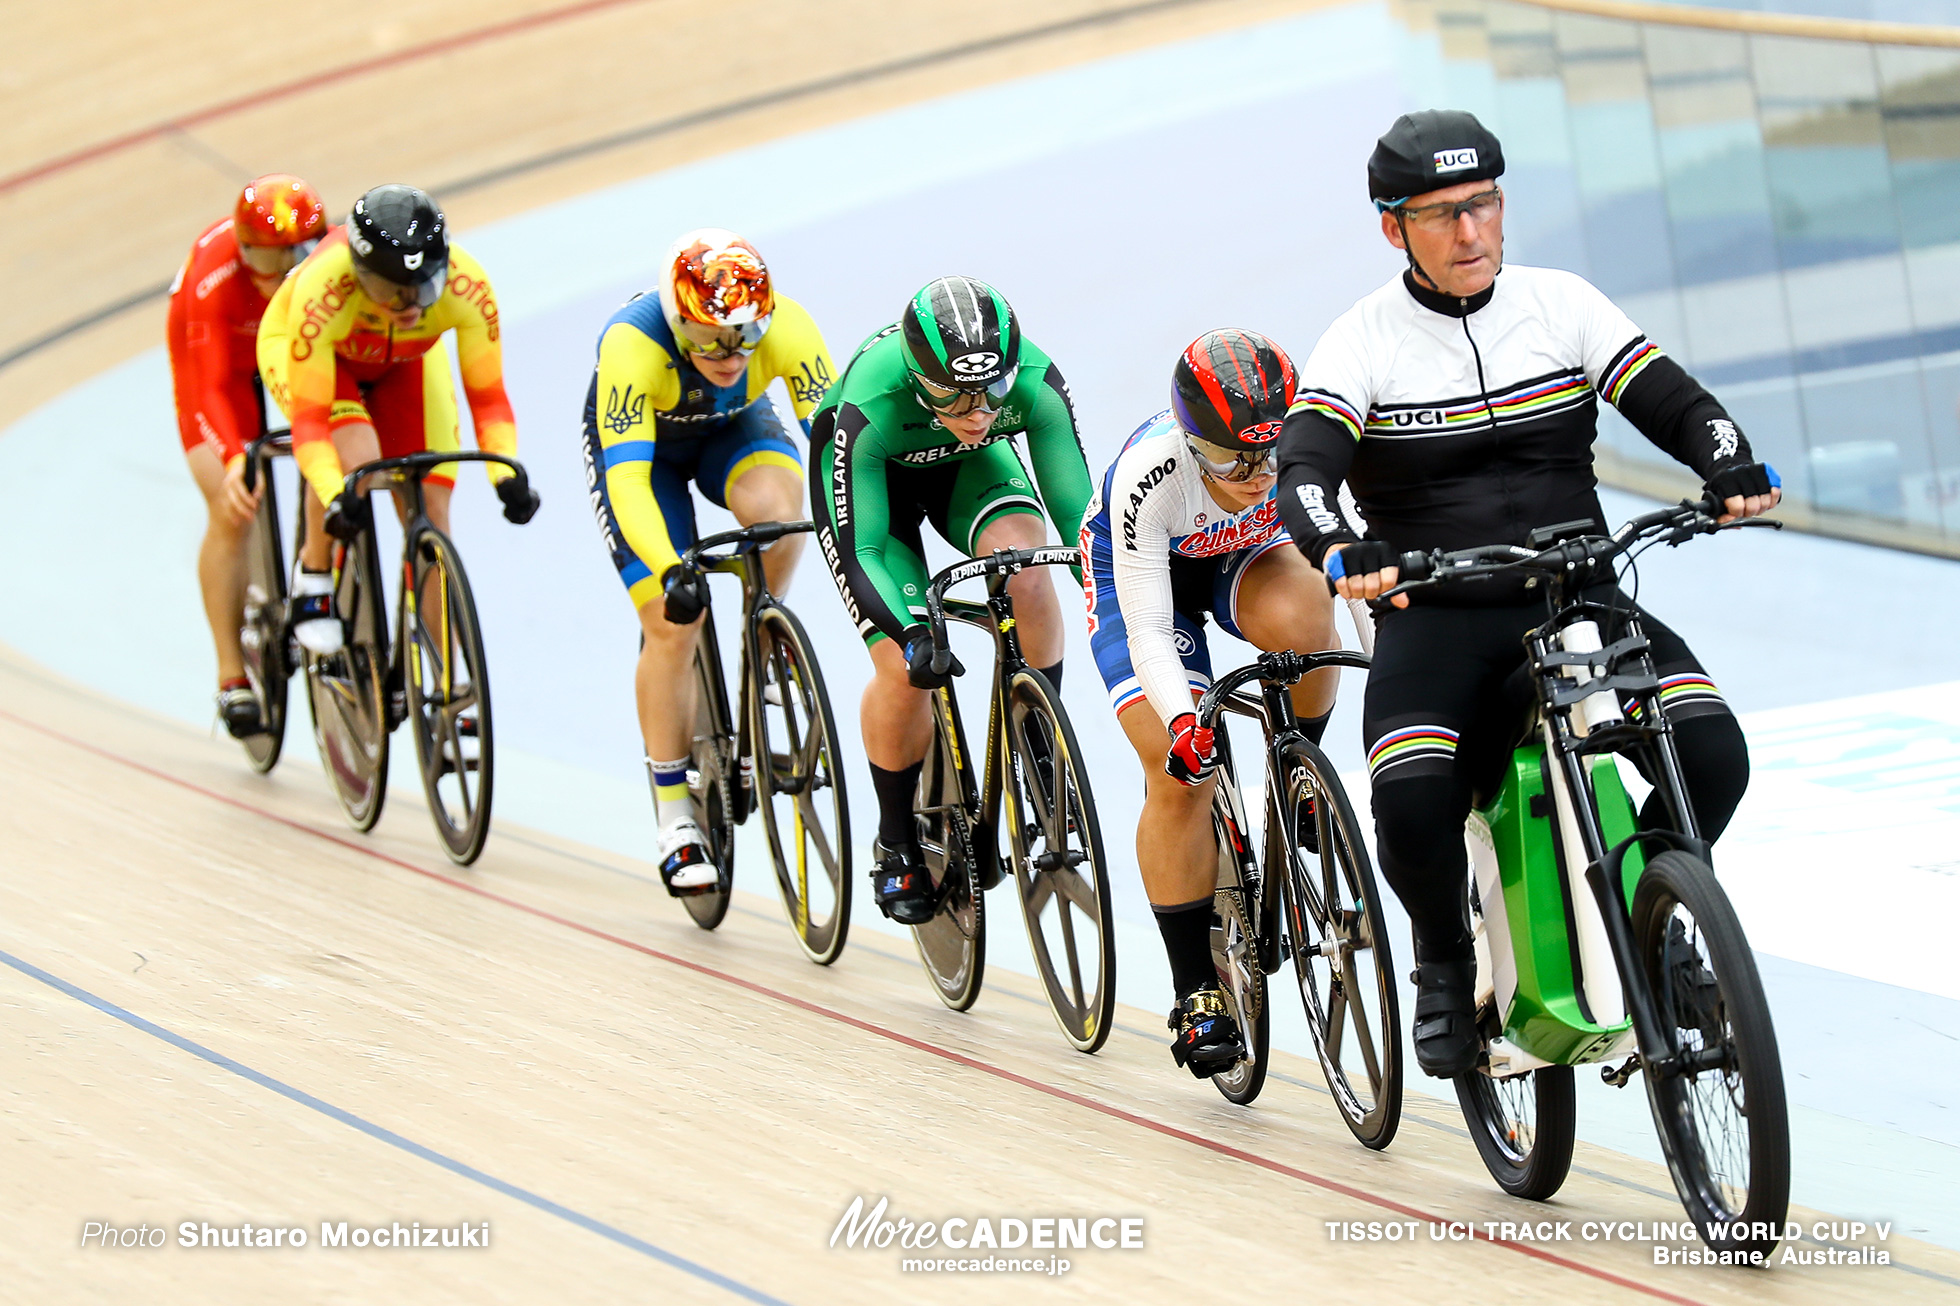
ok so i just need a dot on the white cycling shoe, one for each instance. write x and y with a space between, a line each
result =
315 626
685 864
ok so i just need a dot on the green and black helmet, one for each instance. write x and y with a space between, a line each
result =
961 335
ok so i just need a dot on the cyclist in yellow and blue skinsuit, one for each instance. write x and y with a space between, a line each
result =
679 395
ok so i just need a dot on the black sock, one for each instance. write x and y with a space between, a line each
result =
1054 674
896 828
1314 727
1186 928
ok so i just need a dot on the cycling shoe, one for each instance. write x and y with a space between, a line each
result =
240 710
1446 1035
1207 1040
901 886
685 864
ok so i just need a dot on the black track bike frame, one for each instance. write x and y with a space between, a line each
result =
745 561
1279 725
996 617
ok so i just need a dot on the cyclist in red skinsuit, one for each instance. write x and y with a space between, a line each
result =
216 301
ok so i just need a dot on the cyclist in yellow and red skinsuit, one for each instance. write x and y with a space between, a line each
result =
350 350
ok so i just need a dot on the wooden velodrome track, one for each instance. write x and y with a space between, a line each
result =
220 1006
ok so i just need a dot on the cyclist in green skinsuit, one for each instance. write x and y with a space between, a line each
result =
919 429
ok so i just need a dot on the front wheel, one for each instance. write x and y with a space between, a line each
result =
448 692
348 691
1717 1091
710 778
1523 1127
800 786
953 944
1058 862
1340 945
262 635
1235 952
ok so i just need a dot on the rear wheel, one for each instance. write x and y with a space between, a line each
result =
1235 953
800 786
1523 1127
448 692
710 775
1720 1107
953 944
348 691
1058 862
1340 946
262 634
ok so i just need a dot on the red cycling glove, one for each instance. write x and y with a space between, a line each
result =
1194 751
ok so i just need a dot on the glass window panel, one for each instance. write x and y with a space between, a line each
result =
1613 148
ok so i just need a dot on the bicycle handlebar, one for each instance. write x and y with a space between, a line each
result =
748 537
1001 561
1281 667
423 463
1674 525
278 441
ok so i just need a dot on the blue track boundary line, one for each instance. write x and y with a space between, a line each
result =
390 1137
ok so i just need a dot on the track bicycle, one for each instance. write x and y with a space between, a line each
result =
777 753
1309 898
1055 850
434 674
1597 940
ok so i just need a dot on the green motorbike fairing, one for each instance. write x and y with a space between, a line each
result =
1547 1017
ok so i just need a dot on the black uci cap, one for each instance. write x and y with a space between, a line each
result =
1430 150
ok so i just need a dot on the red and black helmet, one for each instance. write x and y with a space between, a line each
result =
1232 389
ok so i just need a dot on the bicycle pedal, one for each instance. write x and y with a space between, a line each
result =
1618 1078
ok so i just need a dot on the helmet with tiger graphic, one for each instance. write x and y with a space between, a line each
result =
716 293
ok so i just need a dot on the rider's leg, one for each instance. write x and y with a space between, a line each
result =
771 493
1433 667
753 470
357 444
221 562
1281 602
1037 612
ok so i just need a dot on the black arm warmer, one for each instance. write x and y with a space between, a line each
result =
1314 453
1670 408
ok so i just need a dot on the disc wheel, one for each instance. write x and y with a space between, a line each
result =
953 944
262 634
1340 946
1523 1127
802 787
709 780
448 692
1235 954
1058 862
1720 1106
347 691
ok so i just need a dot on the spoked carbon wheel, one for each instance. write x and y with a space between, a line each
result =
1058 862
262 635
953 944
448 691
709 777
348 691
1340 947
1720 1106
1236 955
801 786
1523 1127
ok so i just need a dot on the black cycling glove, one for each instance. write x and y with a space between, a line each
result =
346 515
1745 479
1362 559
520 500
687 595
927 665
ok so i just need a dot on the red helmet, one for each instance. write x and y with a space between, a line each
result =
278 209
716 293
1232 389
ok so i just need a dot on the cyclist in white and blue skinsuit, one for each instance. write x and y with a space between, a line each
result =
1183 525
